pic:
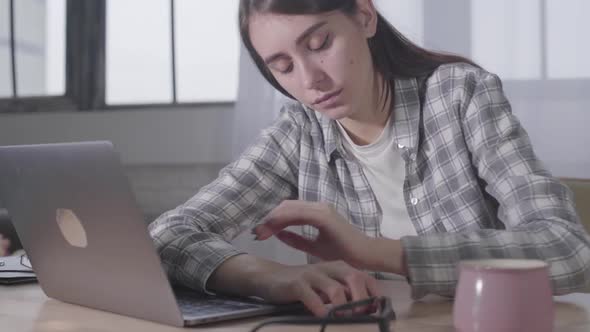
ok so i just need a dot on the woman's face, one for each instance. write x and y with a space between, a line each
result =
322 60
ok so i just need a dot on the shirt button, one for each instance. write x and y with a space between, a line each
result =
414 200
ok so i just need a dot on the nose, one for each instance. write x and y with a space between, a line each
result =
312 76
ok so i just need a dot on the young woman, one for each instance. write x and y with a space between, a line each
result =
394 159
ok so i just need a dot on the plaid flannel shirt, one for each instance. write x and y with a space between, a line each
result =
473 189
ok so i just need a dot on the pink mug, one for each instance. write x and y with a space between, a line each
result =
496 295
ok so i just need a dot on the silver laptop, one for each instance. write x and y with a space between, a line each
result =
76 216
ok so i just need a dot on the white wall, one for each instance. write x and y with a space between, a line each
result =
172 136
560 132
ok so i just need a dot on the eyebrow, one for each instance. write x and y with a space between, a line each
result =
299 39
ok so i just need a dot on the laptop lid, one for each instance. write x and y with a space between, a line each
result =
77 218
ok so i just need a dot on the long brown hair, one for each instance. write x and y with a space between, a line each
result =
392 53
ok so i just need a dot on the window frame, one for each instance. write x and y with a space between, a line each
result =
85 77
84 63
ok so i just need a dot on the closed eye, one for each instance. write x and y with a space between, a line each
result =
324 45
282 66
287 70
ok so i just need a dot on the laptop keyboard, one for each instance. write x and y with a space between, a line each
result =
191 304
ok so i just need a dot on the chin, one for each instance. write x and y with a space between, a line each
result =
336 113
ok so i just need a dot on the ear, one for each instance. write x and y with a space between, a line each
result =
367 17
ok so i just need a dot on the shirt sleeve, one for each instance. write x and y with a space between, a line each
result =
537 210
194 239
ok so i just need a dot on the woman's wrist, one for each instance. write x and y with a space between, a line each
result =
389 256
243 275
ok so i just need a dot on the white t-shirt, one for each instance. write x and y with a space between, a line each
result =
384 168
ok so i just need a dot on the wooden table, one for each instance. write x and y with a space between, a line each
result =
25 309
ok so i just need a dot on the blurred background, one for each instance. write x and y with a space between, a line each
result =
168 82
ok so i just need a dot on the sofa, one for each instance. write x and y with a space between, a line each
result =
581 190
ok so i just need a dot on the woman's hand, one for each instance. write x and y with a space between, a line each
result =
315 285
337 239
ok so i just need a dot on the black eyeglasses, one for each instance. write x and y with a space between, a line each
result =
381 308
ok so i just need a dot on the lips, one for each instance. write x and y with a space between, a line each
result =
327 97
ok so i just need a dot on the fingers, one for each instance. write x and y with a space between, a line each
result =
373 287
296 241
360 284
336 283
357 283
291 213
334 290
311 300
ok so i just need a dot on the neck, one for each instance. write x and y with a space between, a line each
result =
365 126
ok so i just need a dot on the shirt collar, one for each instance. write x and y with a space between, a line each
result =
406 112
406 121
332 139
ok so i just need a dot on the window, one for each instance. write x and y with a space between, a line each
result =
407 16
537 47
99 54
36 67
512 49
202 39
568 49
138 52
537 40
5 65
